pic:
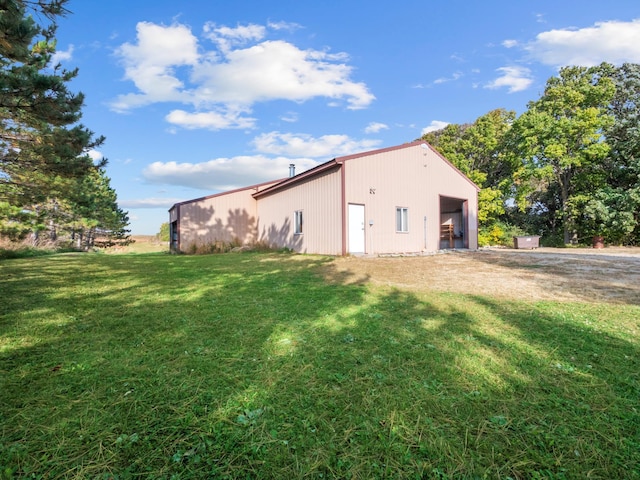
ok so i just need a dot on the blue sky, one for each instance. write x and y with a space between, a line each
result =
201 96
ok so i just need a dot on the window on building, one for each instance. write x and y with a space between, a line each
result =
297 222
402 217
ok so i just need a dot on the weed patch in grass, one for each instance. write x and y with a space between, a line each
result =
257 366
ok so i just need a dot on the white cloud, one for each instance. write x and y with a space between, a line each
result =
226 37
289 144
61 56
289 117
288 26
277 70
452 78
612 41
515 79
240 34
510 43
95 155
375 127
149 203
433 126
223 174
210 120
151 64
168 64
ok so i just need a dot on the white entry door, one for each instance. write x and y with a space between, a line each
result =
356 228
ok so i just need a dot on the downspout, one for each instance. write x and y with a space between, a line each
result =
343 201
425 233
465 224
475 220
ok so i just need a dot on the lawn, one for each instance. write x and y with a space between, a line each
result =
279 366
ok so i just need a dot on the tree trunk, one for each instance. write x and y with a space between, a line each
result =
53 234
567 220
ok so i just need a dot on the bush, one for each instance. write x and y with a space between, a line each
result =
498 234
208 248
216 246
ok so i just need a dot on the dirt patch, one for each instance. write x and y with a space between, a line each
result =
607 275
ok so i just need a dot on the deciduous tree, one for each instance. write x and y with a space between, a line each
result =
560 141
163 234
617 206
478 151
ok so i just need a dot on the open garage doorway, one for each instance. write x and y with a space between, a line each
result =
453 223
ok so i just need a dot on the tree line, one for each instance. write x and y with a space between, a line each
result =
50 187
568 168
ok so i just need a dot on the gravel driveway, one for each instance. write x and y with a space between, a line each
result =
565 274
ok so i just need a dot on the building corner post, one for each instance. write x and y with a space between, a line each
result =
343 202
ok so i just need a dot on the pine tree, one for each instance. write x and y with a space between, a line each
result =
42 147
48 182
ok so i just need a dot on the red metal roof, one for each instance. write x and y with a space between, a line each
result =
250 187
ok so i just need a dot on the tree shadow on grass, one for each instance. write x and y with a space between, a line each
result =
117 334
256 366
403 387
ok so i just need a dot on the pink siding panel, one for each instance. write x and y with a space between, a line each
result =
411 176
319 199
228 217
414 178
219 219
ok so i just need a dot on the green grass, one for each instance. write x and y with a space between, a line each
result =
275 366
